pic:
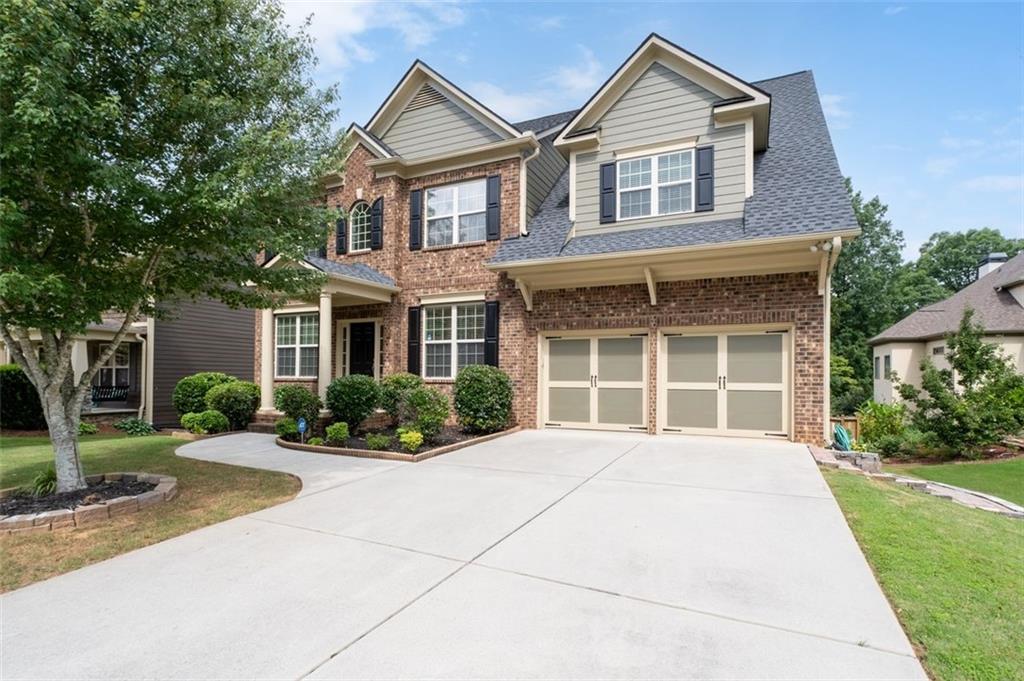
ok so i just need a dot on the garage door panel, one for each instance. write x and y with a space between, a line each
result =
756 410
692 359
623 406
620 359
754 359
569 404
692 408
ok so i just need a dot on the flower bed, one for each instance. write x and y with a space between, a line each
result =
107 496
449 440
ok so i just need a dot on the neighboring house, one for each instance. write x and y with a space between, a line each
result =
997 298
656 261
139 379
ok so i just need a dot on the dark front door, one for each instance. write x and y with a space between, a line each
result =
362 342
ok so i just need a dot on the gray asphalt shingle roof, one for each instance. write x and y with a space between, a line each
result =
994 308
798 189
547 122
354 270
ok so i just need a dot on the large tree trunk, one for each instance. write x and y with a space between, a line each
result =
63 425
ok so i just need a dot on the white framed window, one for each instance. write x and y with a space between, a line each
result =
114 371
655 185
457 213
297 344
878 367
359 228
453 337
888 367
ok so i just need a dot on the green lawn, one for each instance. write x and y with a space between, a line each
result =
207 493
954 575
1004 479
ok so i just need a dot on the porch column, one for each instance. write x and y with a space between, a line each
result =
323 374
267 360
79 358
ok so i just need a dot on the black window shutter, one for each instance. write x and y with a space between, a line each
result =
705 199
491 326
377 224
607 192
415 220
322 251
341 236
494 207
414 341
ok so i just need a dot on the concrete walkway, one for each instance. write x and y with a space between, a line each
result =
545 554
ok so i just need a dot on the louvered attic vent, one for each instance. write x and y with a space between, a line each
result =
425 97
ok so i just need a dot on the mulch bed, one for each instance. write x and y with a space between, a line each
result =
449 435
25 502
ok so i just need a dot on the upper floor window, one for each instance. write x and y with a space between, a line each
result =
878 367
453 337
297 343
888 367
359 239
114 371
939 350
457 213
656 185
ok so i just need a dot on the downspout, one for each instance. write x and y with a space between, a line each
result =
143 375
522 189
833 256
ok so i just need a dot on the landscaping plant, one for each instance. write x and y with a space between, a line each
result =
190 392
149 149
378 441
483 398
879 420
45 482
353 398
425 410
87 428
394 388
287 429
315 441
135 427
21 407
411 440
296 401
237 400
207 422
337 433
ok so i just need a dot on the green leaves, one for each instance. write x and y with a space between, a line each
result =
951 258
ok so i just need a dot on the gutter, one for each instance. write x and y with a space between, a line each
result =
523 231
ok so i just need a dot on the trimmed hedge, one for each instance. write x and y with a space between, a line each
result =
483 398
22 409
425 410
352 399
337 433
237 400
287 429
394 388
296 401
205 422
190 392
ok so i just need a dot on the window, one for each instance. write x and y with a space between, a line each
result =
115 371
939 350
298 337
888 366
878 367
457 213
656 185
360 228
453 336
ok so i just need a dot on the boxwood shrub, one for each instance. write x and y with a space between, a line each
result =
483 398
21 407
394 388
237 400
205 422
337 433
352 399
425 410
287 429
296 401
190 392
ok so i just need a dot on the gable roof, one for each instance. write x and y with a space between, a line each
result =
545 123
994 308
372 142
798 190
351 270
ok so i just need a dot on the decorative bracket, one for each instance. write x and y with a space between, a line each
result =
652 287
527 294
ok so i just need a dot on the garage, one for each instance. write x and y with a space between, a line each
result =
595 381
724 383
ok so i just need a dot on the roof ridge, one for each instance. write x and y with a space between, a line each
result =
785 75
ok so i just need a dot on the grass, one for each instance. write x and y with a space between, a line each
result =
954 575
1003 478
207 493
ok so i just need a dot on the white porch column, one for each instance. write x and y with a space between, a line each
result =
79 358
267 360
323 374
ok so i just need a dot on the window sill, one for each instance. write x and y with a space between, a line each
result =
450 247
294 379
361 251
439 381
655 217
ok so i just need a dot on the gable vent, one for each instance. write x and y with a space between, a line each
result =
425 97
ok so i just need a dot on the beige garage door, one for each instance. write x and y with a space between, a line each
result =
595 382
725 383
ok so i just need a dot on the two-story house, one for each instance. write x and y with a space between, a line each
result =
657 260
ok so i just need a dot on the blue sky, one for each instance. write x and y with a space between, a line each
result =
925 102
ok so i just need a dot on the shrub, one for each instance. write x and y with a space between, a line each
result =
879 421
425 410
21 407
378 441
296 402
352 398
411 440
337 433
237 400
206 422
287 429
315 441
135 427
45 482
87 428
394 388
483 398
190 392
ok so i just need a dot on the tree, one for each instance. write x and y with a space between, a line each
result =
951 258
149 151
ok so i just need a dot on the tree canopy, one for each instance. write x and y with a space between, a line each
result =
951 258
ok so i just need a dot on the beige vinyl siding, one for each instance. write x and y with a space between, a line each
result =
542 173
662 107
439 128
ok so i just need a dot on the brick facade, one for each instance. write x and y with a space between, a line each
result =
786 299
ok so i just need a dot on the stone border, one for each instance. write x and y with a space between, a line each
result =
869 465
395 456
165 490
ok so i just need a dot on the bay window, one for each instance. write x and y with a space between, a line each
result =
457 213
655 185
453 337
297 345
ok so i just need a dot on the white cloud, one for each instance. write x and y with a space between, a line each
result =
996 183
960 143
838 115
550 23
580 77
894 10
337 26
509 105
940 166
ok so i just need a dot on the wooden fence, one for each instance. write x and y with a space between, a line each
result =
851 423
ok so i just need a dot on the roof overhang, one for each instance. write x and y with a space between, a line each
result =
734 91
418 74
485 153
740 258
352 289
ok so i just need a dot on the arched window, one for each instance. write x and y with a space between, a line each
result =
359 221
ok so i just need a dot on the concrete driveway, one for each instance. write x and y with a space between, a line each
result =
543 554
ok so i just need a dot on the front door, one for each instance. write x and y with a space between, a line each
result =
362 348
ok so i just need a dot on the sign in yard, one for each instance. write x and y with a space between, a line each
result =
302 429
